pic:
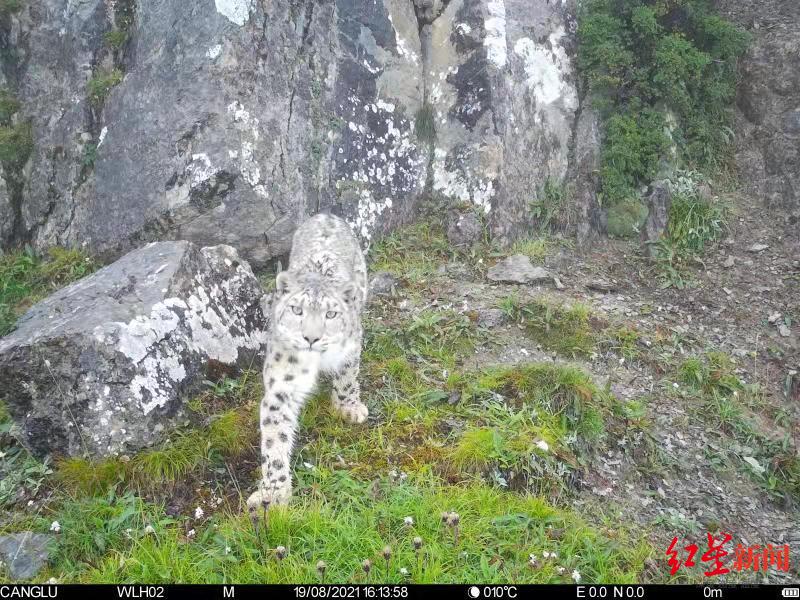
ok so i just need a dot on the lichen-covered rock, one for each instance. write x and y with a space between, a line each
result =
232 121
463 228
105 365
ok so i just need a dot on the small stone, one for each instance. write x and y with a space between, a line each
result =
464 229
557 282
729 262
518 269
758 247
602 285
490 317
383 284
24 553
773 318
783 330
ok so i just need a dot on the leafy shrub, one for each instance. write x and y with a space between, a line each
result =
644 57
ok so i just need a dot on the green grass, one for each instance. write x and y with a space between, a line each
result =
26 278
343 521
425 124
563 328
101 84
550 207
535 249
412 253
737 410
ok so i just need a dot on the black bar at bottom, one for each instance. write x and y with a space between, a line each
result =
396 591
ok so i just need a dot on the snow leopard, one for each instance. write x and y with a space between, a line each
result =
315 329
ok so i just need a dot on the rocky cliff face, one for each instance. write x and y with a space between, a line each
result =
227 121
768 101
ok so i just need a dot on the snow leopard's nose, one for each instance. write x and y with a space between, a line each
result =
310 339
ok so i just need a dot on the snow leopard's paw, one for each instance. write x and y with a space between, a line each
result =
267 496
354 412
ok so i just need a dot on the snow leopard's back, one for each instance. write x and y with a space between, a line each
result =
325 244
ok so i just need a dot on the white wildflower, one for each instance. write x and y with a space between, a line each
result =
408 521
576 577
52 581
198 513
55 526
149 529
542 445
403 571
227 549
560 570
191 533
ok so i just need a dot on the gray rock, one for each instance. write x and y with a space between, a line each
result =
518 269
383 284
105 365
729 262
757 248
659 200
784 330
463 229
236 119
490 317
767 134
24 553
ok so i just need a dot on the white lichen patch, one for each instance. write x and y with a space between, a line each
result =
548 70
389 166
403 47
200 169
462 184
495 40
248 164
102 138
208 323
236 11
214 51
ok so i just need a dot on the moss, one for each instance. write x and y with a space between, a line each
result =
559 327
116 39
626 218
16 145
9 105
101 84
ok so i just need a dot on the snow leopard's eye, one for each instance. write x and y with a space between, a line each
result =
297 310
331 314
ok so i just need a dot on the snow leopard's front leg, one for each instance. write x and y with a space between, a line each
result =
288 379
346 393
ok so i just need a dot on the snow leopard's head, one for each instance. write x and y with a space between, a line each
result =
312 312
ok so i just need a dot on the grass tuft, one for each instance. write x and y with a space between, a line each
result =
26 278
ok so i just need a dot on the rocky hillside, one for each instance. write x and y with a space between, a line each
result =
229 121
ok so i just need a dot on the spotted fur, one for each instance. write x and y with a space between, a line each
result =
316 328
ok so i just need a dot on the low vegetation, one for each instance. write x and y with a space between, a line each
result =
663 76
101 84
26 278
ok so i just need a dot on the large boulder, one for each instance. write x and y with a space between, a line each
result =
105 365
228 121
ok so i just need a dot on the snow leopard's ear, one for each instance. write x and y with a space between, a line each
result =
284 283
349 292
